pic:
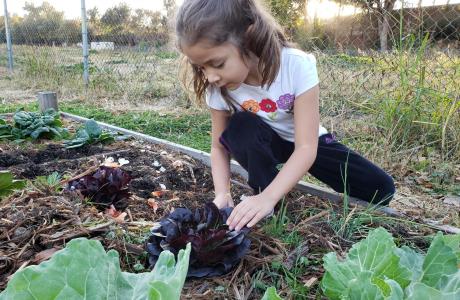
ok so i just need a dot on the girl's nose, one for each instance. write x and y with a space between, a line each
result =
212 77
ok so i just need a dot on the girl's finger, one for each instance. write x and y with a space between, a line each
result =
240 208
256 219
239 216
234 218
244 220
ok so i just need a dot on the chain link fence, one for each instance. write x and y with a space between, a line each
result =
396 58
130 55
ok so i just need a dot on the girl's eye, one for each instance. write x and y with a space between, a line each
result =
219 66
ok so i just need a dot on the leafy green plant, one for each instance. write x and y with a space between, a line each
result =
37 125
8 184
50 183
376 269
5 130
88 134
83 270
270 294
290 274
216 250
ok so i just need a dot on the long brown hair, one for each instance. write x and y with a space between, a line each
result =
244 23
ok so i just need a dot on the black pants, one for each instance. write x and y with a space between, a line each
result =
259 149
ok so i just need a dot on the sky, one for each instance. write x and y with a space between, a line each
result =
72 9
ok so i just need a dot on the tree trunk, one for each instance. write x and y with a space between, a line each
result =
383 31
383 24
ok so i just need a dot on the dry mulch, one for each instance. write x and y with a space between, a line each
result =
36 222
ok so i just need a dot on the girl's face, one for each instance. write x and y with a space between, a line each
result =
222 65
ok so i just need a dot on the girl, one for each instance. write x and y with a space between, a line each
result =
263 96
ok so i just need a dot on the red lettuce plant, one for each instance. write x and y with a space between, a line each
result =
215 249
106 186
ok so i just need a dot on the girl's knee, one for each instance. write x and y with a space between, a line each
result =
386 191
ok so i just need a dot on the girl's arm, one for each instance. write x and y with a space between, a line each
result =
306 122
220 159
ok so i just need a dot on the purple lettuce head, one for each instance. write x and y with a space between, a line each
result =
286 101
215 249
104 187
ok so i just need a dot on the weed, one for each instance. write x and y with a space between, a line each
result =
276 225
279 273
293 238
77 69
167 54
51 183
117 61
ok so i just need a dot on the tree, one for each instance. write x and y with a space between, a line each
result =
122 25
93 15
115 23
382 8
116 16
170 6
41 24
290 14
94 24
2 30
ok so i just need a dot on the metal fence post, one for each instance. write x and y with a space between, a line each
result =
84 34
8 39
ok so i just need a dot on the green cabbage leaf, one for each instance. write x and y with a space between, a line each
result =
83 270
375 268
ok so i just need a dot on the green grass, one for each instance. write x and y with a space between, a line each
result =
192 130
276 225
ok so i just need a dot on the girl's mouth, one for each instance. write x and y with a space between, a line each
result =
231 87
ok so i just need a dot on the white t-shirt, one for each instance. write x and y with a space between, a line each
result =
274 105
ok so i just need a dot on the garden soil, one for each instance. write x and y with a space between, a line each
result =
37 221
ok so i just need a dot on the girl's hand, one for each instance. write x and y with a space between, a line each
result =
223 200
250 211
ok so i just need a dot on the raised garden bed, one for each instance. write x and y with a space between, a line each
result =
286 251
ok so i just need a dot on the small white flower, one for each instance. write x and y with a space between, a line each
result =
162 186
123 161
156 164
162 169
109 160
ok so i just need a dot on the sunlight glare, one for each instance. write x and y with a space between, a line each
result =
325 9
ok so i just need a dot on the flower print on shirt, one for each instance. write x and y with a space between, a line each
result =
251 105
267 105
286 101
